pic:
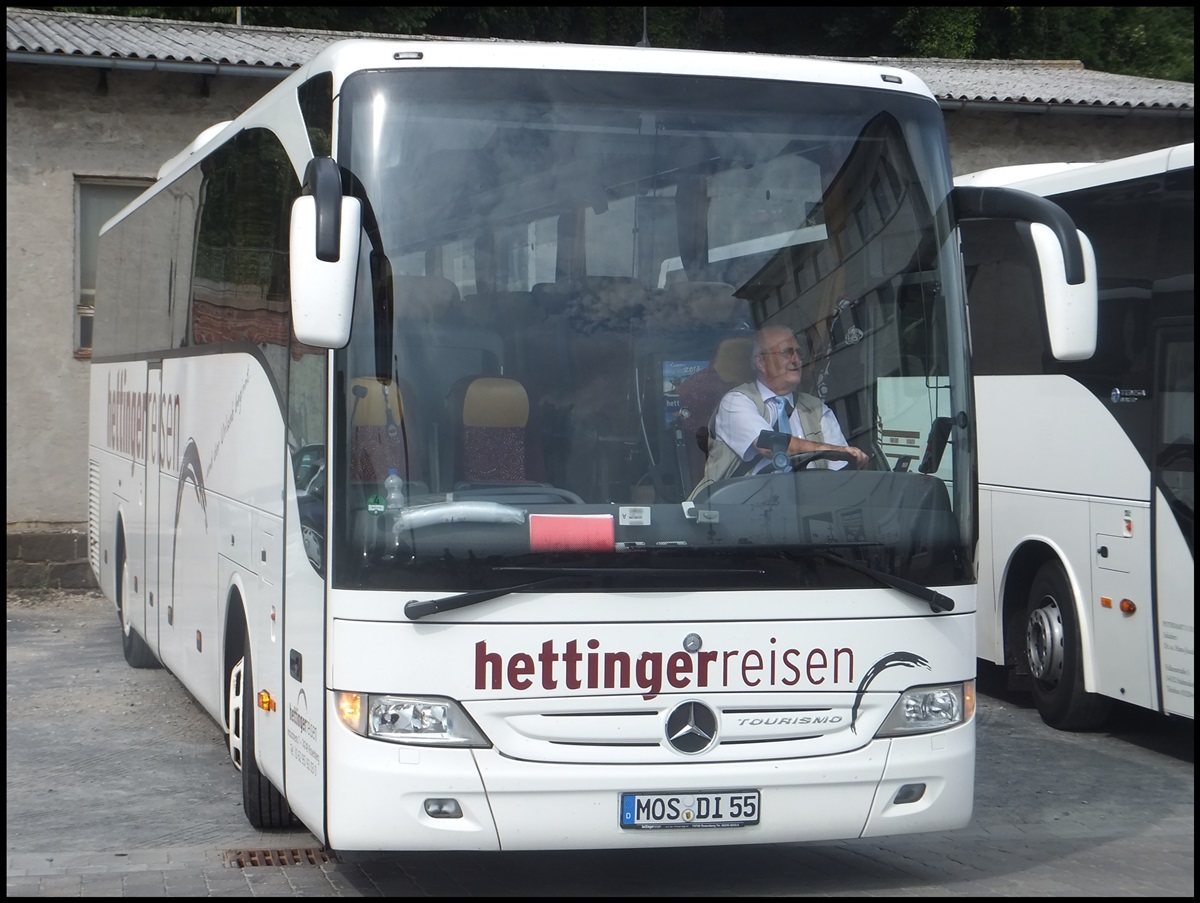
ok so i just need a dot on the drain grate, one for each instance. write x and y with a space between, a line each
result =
240 859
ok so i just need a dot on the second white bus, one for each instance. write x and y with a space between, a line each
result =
1087 468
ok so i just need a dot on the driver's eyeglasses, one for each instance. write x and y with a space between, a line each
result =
786 352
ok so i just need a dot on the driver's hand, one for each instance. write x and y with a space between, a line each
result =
860 456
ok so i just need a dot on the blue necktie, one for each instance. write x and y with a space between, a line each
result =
782 424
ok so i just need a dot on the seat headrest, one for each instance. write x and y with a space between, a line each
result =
367 401
732 362
495 401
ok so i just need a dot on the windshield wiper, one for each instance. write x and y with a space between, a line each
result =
419 608
937 601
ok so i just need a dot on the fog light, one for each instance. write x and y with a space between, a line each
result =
449 808
909 793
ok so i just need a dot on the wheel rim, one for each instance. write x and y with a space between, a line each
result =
237 695
1044 642
125 628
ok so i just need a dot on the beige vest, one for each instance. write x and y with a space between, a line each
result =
723 462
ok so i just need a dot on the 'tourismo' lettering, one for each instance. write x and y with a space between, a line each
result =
574 668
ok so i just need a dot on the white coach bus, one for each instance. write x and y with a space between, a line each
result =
1087 468
393 446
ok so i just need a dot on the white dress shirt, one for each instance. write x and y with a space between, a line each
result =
738 424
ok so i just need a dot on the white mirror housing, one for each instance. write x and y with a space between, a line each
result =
323 291
1071 310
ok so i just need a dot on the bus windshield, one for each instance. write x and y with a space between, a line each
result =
563 273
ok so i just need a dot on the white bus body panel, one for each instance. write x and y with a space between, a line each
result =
300 635
153 508
1031 438
118 446
377 790
1122 644
232 468
1175 587
1056 504
553 776
1047 179
202 522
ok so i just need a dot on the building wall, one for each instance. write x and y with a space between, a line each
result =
982 140
64 122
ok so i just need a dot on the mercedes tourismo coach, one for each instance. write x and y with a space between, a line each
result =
400 393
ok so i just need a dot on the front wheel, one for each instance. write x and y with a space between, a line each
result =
1054 651
264 805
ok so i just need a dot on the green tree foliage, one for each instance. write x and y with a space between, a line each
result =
948 32
387 20
1149 41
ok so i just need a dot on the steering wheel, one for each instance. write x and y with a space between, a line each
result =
801 461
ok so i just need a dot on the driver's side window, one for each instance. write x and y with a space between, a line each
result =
306 443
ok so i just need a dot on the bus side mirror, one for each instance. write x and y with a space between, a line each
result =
323 247
1071 310
323 291
1066 262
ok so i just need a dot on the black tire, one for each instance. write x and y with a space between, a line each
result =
1053 651
137 651
264 805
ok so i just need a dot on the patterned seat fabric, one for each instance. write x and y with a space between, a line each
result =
378 441
497 441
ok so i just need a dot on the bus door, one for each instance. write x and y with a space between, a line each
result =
153 540
1173 462
302 637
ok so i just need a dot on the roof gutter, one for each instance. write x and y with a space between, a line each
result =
175 66
949 105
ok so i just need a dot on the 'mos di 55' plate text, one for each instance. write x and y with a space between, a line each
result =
724 809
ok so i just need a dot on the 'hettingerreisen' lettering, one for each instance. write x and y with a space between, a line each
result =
143 425
574 668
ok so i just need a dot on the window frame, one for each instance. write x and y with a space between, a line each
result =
85 311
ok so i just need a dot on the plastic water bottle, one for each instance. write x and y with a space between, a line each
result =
394 489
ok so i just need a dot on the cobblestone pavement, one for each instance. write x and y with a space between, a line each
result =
120 785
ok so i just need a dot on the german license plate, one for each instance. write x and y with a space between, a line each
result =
723 809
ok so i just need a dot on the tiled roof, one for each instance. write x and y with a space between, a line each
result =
83 37
1051 82
80 39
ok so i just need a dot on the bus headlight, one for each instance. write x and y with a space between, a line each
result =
922 709
420 720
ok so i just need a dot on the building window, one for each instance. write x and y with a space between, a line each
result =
99 201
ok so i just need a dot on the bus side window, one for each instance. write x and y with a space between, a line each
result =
240 290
